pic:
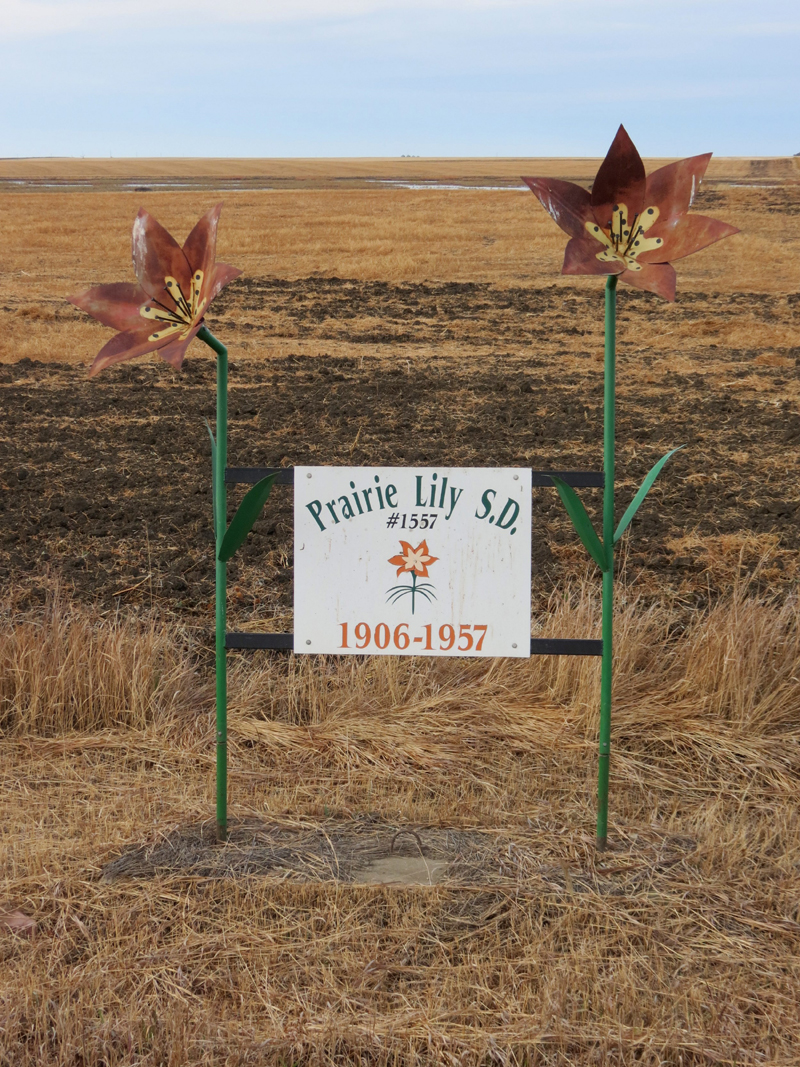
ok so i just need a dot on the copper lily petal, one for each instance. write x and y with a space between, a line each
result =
200 247
658 278
173 353
672 188
685 235
165 311
569 205
580 257
158 257
116 305
620 180
129 345
200 250
220 278
122 347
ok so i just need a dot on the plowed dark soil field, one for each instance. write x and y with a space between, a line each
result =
106 481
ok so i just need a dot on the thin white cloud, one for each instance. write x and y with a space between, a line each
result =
27 18
34 18
762 29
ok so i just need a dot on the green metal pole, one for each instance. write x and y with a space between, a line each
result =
221 516
609 404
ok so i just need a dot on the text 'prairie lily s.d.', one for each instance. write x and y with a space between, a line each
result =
631 224
165 310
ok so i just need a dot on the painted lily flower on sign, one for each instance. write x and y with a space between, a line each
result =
416 560
631 224
413 561
164 311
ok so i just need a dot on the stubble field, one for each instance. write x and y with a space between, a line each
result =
381 324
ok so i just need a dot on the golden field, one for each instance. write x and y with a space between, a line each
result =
329 170
387 324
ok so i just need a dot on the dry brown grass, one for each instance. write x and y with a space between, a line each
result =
679 947
67 672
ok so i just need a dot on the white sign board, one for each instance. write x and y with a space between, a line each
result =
422 561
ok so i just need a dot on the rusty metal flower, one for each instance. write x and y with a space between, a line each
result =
165 310
631 224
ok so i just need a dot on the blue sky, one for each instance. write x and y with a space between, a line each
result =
378 78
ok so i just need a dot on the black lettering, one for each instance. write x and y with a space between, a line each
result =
486 503
355 497
513 507
454 495
316 509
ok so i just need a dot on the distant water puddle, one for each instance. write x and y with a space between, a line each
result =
230 185
395 184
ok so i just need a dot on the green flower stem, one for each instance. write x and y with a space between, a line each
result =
221 515
609 404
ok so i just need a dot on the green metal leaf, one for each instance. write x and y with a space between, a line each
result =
246 514
644 489
581 522
213 475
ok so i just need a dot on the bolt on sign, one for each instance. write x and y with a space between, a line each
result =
422 561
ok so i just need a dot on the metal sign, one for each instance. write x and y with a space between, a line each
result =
423 561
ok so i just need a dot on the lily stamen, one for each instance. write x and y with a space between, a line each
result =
164 308
631 233
180 301
634 234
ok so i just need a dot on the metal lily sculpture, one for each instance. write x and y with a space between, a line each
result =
630 227
163 313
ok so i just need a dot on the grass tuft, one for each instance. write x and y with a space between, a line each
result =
68 670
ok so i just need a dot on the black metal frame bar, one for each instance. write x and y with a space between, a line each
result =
540 646
577 479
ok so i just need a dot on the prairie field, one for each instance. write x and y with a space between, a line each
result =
396 312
